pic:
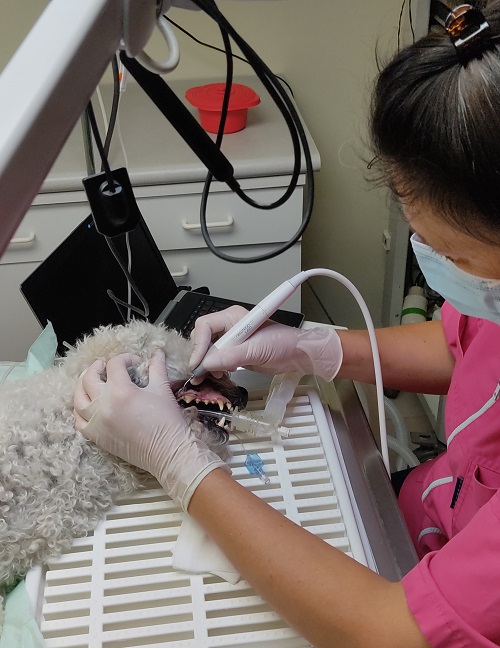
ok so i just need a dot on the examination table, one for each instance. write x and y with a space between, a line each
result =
117 588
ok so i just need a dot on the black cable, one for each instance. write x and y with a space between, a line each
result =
114 106
87 144
400 22
227 88
410 19
297 133
218 140
97 137
219 49
103 152
280 98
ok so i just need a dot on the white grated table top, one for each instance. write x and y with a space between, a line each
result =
117 588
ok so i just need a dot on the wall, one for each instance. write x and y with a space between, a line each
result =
326 51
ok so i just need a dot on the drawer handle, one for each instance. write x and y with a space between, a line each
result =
23 240
217 225
182 273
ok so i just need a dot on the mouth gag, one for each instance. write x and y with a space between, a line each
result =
268 422
252 423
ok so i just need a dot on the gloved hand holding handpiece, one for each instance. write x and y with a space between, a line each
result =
272 349
277 351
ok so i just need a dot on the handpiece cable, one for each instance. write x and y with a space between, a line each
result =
297 133
218 49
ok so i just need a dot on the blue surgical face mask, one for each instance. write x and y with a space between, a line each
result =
470 295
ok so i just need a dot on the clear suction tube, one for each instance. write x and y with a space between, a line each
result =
281 392
269 421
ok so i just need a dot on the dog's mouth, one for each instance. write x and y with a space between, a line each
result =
217 396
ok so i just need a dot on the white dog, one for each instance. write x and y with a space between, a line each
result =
54 484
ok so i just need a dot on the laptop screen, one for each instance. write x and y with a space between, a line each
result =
70 288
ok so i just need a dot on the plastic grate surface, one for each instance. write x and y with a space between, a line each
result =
117 588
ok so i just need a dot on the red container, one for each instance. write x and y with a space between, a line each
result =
208 99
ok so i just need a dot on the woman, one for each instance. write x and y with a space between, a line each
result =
435 126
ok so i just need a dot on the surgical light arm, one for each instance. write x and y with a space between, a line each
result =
48 82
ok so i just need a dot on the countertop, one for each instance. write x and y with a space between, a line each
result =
157 154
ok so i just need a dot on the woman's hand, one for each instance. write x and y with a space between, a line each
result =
274 348
142 425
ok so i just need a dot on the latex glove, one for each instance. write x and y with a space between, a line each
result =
272 349
143 425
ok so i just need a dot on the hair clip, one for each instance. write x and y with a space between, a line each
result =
469 32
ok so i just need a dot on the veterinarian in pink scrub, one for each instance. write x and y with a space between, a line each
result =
436 133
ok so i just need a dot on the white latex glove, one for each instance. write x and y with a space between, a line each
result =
272 349
144 426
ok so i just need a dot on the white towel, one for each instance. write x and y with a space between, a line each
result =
195 552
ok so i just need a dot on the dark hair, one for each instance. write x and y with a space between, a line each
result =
435 128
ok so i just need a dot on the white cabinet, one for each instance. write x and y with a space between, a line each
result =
168 182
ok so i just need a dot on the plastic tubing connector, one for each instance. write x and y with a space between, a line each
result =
269 421
255 424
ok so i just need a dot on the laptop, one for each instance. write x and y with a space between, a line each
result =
81 286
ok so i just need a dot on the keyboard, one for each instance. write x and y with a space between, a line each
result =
205 306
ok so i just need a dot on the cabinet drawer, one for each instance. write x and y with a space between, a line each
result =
43 228
174 221
245 282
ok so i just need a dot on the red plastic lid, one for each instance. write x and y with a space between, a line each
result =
210 97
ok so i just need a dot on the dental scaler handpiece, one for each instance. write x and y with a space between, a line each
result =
254 318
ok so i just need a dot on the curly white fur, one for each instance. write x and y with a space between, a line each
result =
54 485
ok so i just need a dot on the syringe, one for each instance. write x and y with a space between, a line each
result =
252 423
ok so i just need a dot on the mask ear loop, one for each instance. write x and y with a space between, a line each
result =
171 63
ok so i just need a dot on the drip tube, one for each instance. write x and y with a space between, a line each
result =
404 453
400 444
400 430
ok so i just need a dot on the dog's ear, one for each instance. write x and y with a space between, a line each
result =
139 374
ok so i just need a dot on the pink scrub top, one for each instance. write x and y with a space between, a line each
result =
451 504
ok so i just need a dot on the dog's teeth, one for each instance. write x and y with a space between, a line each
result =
230 407
220 404
221 422
188 399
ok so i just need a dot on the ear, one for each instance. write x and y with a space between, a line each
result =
139 374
